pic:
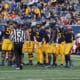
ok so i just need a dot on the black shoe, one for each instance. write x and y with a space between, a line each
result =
21 67
54 65
29 64
39 64
67 66
48 66
61 65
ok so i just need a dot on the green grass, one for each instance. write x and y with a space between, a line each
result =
42 73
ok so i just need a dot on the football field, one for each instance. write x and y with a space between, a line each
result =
42 73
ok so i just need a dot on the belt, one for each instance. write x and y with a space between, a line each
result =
18 42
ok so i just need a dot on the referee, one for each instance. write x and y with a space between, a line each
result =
18 36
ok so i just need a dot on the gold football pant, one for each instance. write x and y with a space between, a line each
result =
60 51
28 48
38 51
39 55
48 52
68 47
7 45
44 53
30 54
68 61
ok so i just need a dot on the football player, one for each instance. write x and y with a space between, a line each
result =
28 45
7 44
69 40
46 47
37 47
60 47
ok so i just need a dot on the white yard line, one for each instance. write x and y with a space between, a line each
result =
10 71
43 79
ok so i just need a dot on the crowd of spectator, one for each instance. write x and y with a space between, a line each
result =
58 12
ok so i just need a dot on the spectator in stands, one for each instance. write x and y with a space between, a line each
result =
37 11
28 11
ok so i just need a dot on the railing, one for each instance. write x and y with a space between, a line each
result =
75 28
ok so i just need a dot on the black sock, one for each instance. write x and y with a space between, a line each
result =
69 60
66 60
54 59
49 59
44 57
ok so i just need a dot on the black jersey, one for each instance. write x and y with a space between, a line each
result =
38 36
69 37
7 31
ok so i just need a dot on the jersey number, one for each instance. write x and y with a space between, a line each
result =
8 31
19 34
